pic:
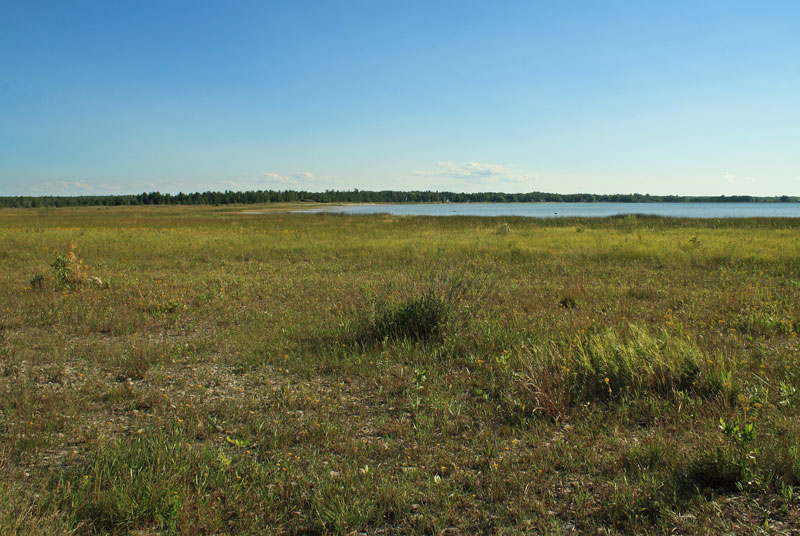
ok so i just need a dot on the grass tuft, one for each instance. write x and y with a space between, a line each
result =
717 470
422 319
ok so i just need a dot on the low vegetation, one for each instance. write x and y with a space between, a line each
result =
197 370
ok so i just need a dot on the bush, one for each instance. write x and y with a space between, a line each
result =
717 470
439 306
37 282
421 319
68 269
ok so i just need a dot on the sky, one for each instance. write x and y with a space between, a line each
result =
686 98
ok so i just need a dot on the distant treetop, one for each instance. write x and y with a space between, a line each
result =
365 196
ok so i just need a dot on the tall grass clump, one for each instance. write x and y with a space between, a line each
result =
606 366
437 307
150 481
421 318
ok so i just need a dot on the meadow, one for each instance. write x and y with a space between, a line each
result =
197 370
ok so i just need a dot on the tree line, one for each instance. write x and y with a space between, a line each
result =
364 196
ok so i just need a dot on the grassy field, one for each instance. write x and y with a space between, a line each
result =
202 371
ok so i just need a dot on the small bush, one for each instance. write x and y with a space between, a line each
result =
503 229
717 470
441 305
568 302
37 282
573 296
68 269
421 319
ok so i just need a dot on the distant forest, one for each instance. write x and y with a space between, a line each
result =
364 196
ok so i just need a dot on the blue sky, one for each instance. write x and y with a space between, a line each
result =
691 98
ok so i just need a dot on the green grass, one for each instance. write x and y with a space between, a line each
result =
195 370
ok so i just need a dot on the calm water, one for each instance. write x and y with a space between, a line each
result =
591 210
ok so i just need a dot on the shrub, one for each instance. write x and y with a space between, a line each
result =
422 319
37 282
68 269
715 470
503 229
568 302
444 302
573 296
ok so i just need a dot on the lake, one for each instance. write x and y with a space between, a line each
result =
588 210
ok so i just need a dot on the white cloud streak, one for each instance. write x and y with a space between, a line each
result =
293 179
478 173
71 187
735 179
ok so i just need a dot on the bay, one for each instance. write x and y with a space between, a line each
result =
589 210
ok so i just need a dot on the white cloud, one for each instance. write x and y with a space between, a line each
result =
70 187
299 177
237 185
479 172
734 179
303 176
282 179
64 187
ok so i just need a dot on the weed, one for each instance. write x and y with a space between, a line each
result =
763 324
424 318
419 379
503 229
37 282
787 492
788 394
723 469
68 269
629 508
713 470
740 434
649 455
607 366
544 383
568 302
136 484
421 319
